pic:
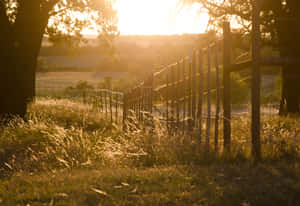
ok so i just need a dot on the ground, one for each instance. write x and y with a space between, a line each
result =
68 154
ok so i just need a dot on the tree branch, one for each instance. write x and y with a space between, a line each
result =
222 9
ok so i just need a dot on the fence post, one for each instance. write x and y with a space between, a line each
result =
217 98
151 84
84 96
101 101
110 106
190 126
105 102
125 107
184 95
194 89
116 99
135 97
200 100
177 97
255 94
173 93
139 102
208 99
226 85
167 97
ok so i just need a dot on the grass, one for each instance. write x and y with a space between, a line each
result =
167 185
51 83
67 154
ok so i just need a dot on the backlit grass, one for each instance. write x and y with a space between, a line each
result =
66 153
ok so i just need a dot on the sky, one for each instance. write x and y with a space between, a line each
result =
157 17
164 17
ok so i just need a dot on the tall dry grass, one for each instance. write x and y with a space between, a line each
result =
62 134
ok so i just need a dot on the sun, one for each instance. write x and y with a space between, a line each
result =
163 17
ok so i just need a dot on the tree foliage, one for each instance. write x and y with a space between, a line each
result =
23 26
61 20
280 26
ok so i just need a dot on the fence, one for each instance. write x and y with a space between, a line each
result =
193 96
183 93
106 101
177 93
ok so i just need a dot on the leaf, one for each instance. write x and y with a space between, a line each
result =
62 195
87 163
63 162
8 165
99 191
133 191
125 184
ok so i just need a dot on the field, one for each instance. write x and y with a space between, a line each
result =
66 153
58 81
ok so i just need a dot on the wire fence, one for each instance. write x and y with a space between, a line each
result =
194 95
105 101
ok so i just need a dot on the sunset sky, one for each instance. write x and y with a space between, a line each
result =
148 17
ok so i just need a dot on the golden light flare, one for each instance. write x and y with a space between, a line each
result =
164 17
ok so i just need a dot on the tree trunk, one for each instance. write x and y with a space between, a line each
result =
20 44
11 94
12 98
289 32
17 80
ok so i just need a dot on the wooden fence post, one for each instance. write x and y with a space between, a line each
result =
151 84
167 97
184 95
178 97
116 99
139 102
136 102
84 96
217 98
200 92
226 85
173 93
125 108
101 101
105 102
208 98
110 106
194 89
190 126
255 94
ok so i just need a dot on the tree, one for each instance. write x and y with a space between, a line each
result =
23 24
280 26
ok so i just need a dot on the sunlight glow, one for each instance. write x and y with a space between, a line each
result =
149 17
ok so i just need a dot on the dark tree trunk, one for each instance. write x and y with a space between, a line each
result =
11 96
20 44
289 41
